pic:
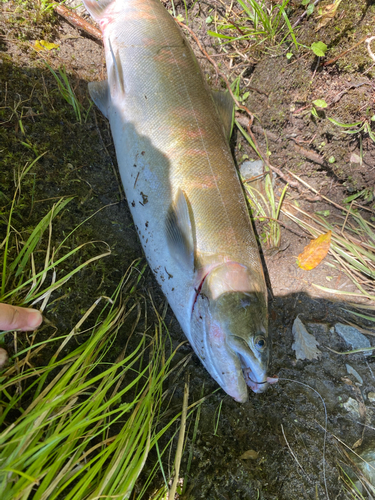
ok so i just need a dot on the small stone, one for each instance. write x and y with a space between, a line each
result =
371 397
352 406
251 168
353 337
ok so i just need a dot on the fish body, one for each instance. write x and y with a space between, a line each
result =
183 190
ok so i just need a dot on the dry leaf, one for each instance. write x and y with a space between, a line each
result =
249 454
43 45
357 444
328 13
314 252
304 343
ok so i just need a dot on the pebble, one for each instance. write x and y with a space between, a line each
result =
251 168
371 397
353 337
352 406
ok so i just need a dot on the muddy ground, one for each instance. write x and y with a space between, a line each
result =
285 426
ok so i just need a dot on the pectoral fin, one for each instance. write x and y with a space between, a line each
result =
179 229
225 107
99 93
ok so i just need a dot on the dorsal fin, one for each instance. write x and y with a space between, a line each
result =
225 107
99 93
179 229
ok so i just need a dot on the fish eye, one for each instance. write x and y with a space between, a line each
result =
260 343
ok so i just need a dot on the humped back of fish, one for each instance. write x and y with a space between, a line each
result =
183 189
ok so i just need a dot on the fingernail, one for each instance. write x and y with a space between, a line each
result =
34 318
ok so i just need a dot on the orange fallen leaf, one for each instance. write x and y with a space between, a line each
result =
314 252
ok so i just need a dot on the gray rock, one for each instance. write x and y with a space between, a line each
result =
353 337
251 168
352 406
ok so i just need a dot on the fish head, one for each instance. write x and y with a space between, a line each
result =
229 329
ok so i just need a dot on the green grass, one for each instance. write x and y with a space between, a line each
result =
84 432
260 193
25 280
360 127
80 425
68 93
255 20
265 209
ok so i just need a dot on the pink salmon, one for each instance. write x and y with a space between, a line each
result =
171 138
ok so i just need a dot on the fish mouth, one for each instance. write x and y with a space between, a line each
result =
250 379
254 374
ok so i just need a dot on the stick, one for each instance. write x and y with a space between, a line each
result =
78 22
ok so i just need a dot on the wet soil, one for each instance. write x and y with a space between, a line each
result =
296 454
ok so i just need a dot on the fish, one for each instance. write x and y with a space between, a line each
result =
171 135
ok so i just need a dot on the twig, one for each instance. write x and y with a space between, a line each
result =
303 15
291 451
310 155
316 192
284 177
78 22
346 218
352 451
331 61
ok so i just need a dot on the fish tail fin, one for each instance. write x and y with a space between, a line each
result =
97 8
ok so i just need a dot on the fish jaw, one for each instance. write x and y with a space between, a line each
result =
253 366
229 330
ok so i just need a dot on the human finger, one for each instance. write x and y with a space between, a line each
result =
19 318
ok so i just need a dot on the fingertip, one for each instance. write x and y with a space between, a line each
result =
34 318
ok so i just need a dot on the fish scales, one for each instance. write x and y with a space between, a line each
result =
169 140
160 59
